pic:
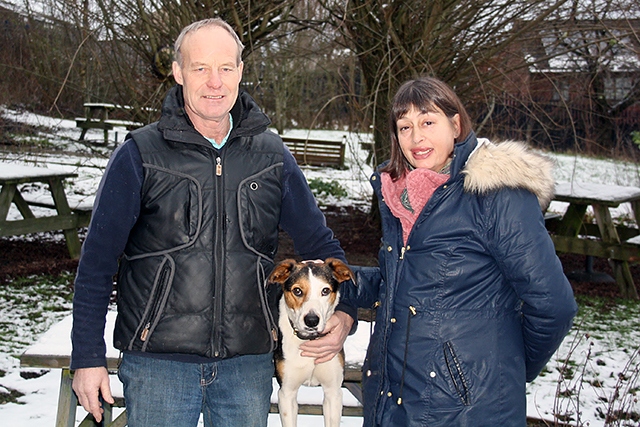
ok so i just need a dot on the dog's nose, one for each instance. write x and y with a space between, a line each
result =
311 320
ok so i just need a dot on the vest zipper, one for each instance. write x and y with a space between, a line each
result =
145 332
156 304
218 260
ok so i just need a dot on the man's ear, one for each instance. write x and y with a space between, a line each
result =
177 72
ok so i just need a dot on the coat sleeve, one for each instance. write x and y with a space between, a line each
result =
527 257
364 291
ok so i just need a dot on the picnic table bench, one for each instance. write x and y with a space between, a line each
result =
53 351
316 152
572 233
67 219
97 117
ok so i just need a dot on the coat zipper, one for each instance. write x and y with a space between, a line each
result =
456 373
412 312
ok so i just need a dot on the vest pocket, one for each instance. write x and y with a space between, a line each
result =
456 373
259 201
157 301
173 204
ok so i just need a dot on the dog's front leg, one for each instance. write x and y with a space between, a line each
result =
332 406
288 406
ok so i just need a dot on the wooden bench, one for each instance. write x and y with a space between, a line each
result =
53 351
317 152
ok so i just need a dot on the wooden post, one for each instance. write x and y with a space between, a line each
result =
62 206
67 401
610 235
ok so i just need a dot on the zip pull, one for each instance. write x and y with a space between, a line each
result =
403 250
218 166
145 332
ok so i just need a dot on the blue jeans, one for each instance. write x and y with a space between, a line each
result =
229 393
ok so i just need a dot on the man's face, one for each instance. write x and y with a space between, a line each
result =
210 75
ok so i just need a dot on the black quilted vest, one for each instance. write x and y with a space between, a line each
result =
193 273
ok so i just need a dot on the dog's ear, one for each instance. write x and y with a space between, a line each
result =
340 270
283 270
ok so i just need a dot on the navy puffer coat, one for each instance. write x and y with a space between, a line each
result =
475 303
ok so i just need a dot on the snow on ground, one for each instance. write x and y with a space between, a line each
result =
599 358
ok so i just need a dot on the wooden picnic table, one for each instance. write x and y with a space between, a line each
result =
68 220
53 351
97 117
573 234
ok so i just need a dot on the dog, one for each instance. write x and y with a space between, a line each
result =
310 296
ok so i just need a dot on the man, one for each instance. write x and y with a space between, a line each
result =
190 207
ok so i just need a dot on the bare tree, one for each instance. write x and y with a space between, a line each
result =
459 41
593 59
303 79
47 39
138 37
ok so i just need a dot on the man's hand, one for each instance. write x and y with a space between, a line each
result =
89 384
325 348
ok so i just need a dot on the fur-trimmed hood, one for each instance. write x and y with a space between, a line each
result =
509 164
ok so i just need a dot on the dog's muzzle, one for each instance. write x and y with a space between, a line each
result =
304 336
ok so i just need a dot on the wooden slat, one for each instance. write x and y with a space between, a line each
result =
78 209
57 361
305 409
625 233
43 361
93 124
37 225
583 246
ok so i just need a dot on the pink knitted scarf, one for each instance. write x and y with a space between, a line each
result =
420 185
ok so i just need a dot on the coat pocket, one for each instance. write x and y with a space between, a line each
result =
456 373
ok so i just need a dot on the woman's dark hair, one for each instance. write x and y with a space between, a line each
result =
424 94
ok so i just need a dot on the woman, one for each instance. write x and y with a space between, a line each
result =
470 295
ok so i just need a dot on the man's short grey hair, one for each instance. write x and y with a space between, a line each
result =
210 22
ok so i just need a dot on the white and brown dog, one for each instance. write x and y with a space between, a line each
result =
310 296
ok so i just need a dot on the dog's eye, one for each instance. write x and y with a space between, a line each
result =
326 291
297 292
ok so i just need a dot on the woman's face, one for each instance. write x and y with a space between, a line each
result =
426 139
